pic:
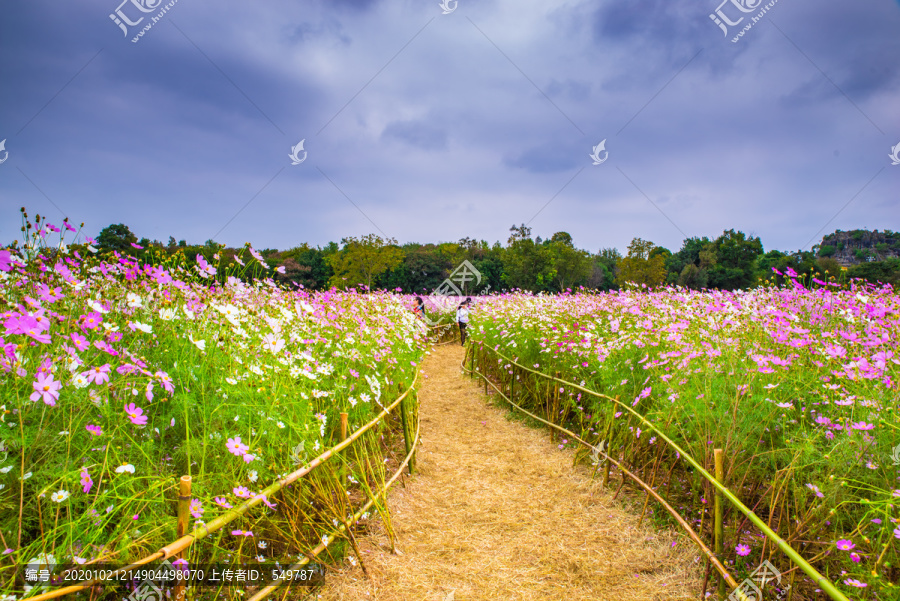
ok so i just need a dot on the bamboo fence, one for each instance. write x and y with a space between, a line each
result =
408 406
722 492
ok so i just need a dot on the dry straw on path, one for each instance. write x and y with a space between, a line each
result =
496 511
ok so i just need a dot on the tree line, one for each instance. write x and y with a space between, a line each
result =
733 260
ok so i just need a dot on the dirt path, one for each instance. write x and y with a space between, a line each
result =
496 511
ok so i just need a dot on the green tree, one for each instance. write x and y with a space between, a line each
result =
735 256
526 265
116 237
570 265
361 260
641 265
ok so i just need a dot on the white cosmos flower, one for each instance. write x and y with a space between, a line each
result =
200 344
280 425
6 469
59 496
167 314
142 327
133 300
125 468
252 476
79 381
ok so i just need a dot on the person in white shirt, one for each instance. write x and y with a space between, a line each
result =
462 318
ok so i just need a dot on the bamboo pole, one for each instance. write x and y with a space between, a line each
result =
719 542
407 434
184 516
818 578
342 471
268 590
232 514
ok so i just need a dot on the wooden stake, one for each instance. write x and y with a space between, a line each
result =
717 524
184 516
343 469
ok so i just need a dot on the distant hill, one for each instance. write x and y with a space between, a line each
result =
860 246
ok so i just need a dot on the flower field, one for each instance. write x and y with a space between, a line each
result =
799 387
118 377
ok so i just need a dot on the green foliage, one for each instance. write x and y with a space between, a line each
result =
826 250
116 237
527 265
642 265
363 259
735 256
885 272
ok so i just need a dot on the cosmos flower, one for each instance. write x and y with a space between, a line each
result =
135 414
45 389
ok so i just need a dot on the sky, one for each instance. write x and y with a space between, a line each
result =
429 122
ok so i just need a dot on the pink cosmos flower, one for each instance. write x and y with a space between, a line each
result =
86 481
136 414
6 260
264 500
854 557
197 508
242 532
95 430
97 375
862 426
845 545
742 550
856 583
236 447
91 321
241 491
80 341
221 502
815 490
46 389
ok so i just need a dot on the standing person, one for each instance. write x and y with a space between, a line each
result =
419 310
462 318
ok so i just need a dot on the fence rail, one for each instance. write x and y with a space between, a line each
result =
820 580
229 516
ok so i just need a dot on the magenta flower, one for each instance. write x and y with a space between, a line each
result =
135 414
86 481
95 430
815 490
742 550
242 532
845 545
265 500
862 426
80 341
97 375
235 447
854 557
856 583
6 260
91 321
46 389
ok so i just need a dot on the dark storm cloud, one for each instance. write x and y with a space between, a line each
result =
437 126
